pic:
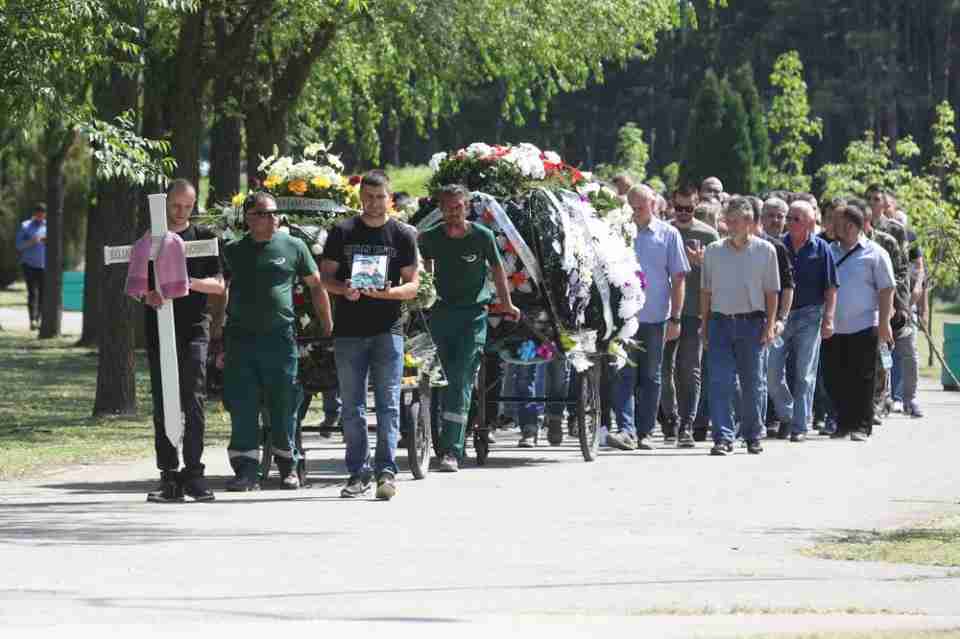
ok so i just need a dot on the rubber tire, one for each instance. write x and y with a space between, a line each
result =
588 412
419 448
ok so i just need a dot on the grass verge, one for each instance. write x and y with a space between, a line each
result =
412 179
13 296
936 544
45 421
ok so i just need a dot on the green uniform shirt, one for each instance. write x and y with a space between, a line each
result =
461 264
262 275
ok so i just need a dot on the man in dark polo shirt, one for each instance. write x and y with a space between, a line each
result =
192 325
809 319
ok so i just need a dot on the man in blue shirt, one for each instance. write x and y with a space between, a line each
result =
32 246
861 323
660 251
810 318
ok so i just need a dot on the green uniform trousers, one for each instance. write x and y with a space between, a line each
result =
459 333
260 373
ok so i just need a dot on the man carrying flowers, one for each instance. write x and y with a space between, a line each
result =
462 254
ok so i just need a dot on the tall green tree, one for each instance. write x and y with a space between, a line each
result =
790 121
734 148
700 158
743 82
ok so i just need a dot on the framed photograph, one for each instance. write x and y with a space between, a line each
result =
369 271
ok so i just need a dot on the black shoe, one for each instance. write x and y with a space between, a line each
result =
798 438
754 448
783 431
721 449
403 442
700 434
840 434
356 487
685 440
243 484
196 488
644 443
555 432
170 490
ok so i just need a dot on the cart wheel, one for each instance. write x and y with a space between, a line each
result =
419 435
588 412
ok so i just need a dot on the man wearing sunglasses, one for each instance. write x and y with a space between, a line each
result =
261 348
682 379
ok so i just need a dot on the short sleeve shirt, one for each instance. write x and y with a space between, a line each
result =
660 252
739 280
263 275
191 317
396 241
863 274
706 235
814 271
461 264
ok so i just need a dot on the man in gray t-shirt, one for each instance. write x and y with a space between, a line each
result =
682 357
738 305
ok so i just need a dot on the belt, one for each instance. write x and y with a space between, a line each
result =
753 315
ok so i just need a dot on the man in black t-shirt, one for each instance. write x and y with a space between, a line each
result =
368 329
192 324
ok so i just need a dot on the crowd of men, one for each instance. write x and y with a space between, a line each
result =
763 318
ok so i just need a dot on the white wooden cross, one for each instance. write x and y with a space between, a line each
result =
169 371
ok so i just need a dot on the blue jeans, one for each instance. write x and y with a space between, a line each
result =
381 356
331 404
520 381
801 341
636 389
734 350
557 376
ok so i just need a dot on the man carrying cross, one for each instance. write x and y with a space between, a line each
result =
192 325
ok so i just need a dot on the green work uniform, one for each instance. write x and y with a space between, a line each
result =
459 321
261 349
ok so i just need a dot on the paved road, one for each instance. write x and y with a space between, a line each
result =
537 539
15 318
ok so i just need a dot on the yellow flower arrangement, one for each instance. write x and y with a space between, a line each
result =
298 187
272 181
321 182
237 200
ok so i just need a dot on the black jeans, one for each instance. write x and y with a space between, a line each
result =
34 279
849 368
192 359
680 396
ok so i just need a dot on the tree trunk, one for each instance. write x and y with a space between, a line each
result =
116 387
226 146
186 101
93 274
57 141
265 129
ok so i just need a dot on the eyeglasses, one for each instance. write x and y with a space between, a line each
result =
261 213
683 209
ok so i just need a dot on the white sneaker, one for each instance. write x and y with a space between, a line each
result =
897 407
449 464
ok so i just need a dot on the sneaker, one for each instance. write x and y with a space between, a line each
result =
669 438
621 441
877 420
913 410
196 488
356 486
491 440
700 434
555 431
330 422
685 440
898 407
528 441
386 487
798 438
242 484
783 430
643 444
721 449
449 464
290 481
859 436
170 490
754 447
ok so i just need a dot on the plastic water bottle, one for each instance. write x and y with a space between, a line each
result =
886 358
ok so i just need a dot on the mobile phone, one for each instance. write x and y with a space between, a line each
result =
693 244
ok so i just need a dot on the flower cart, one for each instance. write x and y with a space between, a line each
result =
569 270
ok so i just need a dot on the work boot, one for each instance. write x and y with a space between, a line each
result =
195 485
386 487
555 430
170 491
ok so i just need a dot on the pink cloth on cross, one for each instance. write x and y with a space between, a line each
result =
169 269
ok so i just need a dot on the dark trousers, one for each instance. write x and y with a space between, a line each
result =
192 359
680 394
849 367
34 278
